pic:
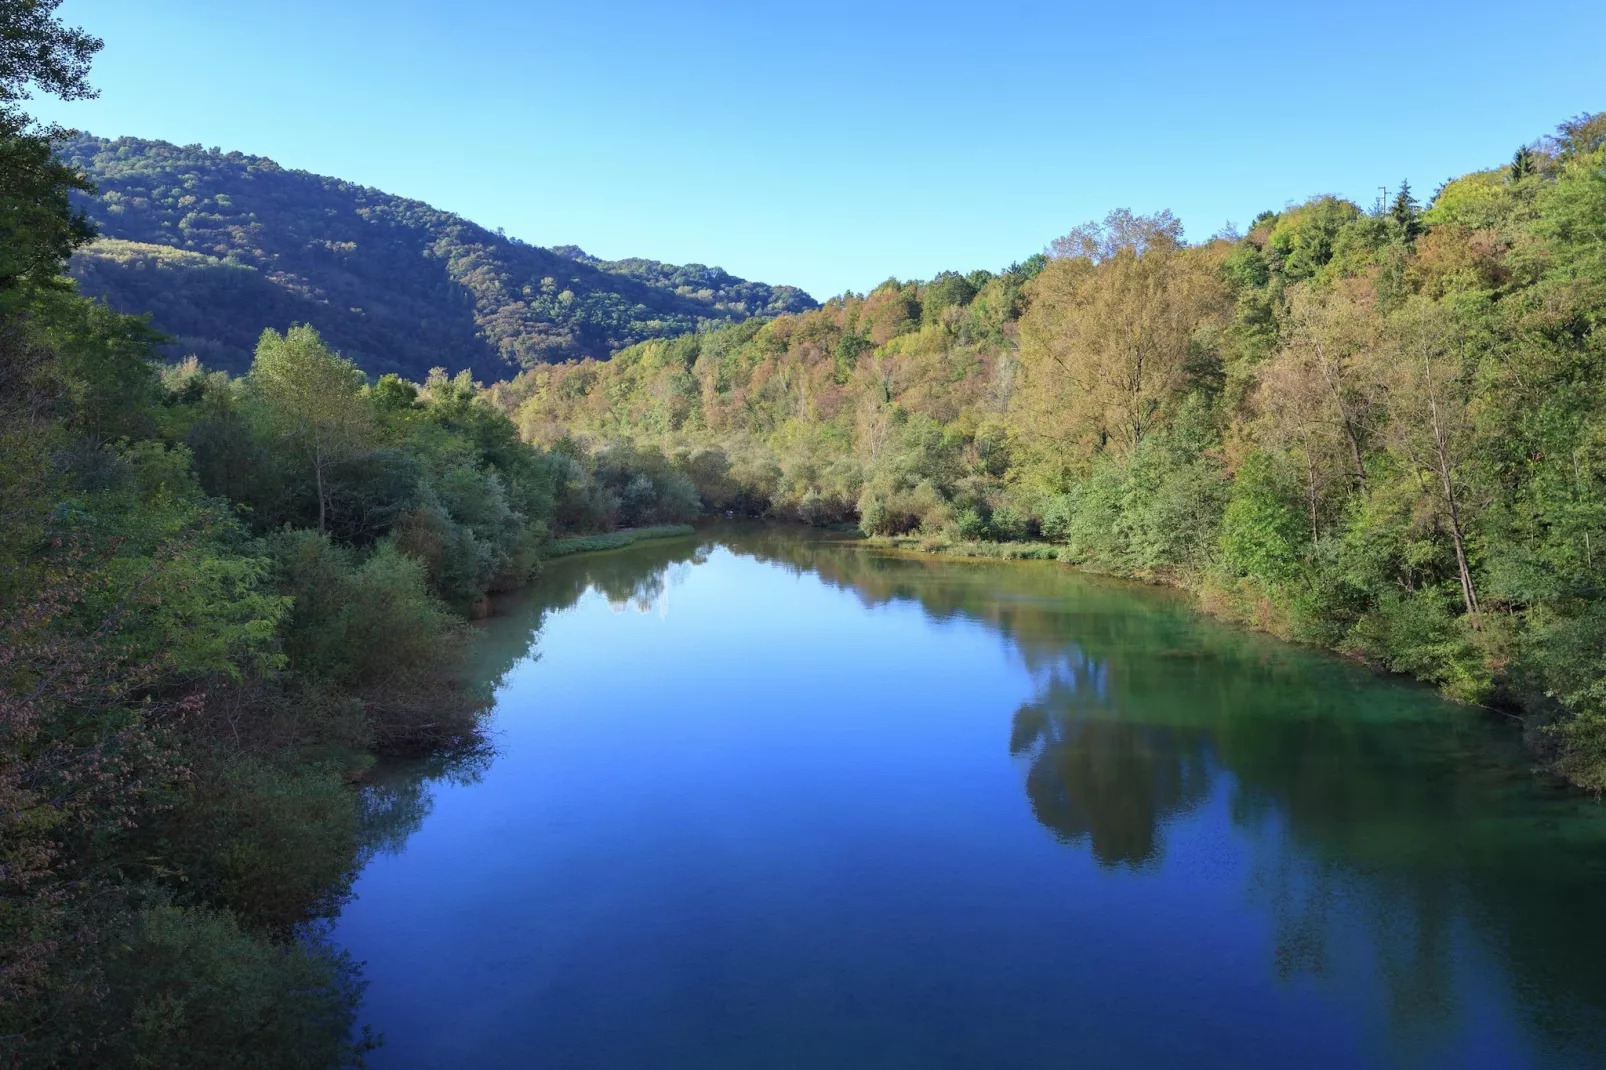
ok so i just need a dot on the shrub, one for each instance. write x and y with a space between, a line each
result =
269 843
190 989
1418 632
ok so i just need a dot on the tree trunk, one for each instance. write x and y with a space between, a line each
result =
1310 494
1468 593
1344 420
317 475
1354 448
1442 455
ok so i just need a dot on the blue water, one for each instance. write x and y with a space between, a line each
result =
764 801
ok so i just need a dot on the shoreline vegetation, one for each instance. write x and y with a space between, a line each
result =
227 596
615 540
1202 597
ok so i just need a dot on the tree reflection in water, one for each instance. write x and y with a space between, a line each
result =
1390 834
1386 832
1098 778
397 798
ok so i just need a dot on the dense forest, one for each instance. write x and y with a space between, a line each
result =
217 246
1375 430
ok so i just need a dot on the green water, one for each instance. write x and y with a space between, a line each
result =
762 800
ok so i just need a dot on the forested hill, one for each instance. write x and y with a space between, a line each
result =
217 246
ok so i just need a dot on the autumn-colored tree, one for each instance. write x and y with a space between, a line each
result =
1321 388
1106 344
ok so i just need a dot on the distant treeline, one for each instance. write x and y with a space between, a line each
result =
1383 430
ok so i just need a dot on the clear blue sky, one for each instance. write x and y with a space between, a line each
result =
831 145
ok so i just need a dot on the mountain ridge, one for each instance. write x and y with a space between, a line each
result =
218 246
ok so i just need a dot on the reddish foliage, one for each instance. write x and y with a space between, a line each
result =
81 750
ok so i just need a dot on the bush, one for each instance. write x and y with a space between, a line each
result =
190 989
678 500
1263 535
272 844
894 510
1172 501
1420 633
373 630
1088 519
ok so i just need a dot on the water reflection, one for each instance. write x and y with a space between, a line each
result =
1394 835
638 578
1099 779
396 800
1396 843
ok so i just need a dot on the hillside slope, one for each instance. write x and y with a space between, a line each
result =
217 246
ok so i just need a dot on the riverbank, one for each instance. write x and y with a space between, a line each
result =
1234 606
1212 599
991 551
614 540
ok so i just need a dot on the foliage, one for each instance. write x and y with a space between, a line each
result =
192 989
37 229
224 595
37 49
188 676
311 400
886 407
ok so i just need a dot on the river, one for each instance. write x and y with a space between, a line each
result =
762 800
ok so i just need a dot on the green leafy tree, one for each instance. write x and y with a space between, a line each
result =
314 400
37 49
1431 394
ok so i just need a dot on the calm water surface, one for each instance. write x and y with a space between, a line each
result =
765 801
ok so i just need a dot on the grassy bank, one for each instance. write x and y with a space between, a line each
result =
996 551
614 540
1212 595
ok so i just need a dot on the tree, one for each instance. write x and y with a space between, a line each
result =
1430 409
1320 388
1105 346
1522 164
1294 411
1406 213
1581 135
36 49
313 397
1120 232
38 227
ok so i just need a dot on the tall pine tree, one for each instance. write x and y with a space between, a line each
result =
1406 212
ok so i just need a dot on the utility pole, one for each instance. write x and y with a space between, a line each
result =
1382 200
